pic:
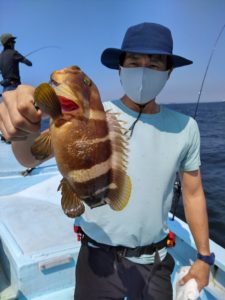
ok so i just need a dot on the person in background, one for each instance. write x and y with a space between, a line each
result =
9 64
124 254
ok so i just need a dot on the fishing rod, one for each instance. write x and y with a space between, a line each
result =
206 70
42 48
39 49
177 184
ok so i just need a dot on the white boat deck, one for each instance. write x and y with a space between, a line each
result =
38 249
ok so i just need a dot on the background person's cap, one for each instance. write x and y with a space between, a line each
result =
5 37
144 38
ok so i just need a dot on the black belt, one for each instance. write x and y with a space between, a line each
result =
126 251
9 82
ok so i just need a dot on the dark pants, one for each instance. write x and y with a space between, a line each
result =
103 275
11 87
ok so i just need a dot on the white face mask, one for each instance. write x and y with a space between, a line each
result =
142 84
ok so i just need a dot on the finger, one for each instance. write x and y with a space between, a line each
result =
3 116
22 114
7 128
18 139
25 104
185 279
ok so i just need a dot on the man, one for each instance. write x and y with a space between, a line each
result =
9 63
124 254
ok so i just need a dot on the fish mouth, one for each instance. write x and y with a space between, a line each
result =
69 101
67 105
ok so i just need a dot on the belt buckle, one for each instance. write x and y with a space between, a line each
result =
137 252
127 252
122 251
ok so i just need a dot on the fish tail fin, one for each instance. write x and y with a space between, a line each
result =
119 195
46 99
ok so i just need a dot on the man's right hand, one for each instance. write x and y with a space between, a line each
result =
18 116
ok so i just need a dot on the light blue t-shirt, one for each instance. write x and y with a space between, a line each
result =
161 145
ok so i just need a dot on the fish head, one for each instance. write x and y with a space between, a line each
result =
77 93
64 75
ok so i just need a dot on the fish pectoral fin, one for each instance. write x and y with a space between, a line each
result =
47 100
42 147
71 204
119 196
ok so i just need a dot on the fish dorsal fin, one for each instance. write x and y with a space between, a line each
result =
120 191
46 99
42 147
71 204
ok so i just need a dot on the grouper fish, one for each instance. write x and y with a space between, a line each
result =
88 143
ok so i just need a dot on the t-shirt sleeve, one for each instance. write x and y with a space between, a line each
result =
18 57
191 160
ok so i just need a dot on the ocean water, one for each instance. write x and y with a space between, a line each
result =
211 120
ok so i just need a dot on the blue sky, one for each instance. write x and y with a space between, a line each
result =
81 29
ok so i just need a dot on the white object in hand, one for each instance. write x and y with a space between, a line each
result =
188 291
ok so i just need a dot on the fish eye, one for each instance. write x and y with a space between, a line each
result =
53 83
87 81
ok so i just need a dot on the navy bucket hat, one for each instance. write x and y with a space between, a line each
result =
144 38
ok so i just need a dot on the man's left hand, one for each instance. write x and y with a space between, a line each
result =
200 272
